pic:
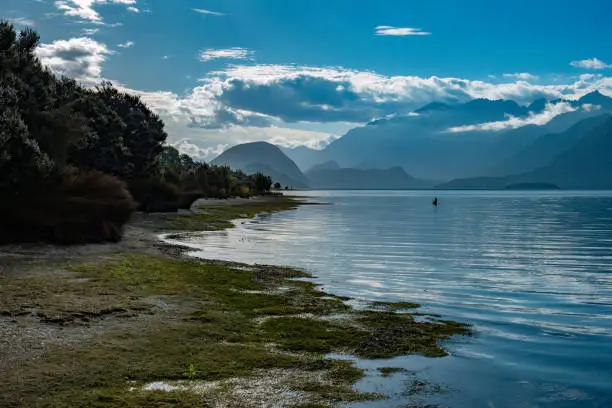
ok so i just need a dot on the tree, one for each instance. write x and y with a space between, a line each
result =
42 120
144 134
22 163
277 186
103 147
262 183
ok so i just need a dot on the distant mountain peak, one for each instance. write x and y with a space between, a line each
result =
596 98
263 157
482 103
433 106
538 105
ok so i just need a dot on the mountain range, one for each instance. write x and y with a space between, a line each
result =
347 178
479 144
586 164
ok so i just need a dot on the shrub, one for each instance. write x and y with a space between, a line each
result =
153 195
243 191
73 207
186 199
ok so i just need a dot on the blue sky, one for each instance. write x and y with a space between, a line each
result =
297 72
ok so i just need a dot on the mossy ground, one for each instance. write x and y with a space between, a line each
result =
225 323
216 217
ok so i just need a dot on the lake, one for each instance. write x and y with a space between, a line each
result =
532 271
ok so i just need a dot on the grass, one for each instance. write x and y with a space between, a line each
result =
224 323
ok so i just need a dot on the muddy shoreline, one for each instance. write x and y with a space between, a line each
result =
74 304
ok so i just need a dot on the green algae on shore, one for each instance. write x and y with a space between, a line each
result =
215 217
389 371
223 336
199 333
393 306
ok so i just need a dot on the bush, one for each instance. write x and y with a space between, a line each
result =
243 191
154 195
74 207
185 200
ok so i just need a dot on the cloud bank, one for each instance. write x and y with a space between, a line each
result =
550 112
272 102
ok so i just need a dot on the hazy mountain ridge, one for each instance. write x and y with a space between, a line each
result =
421 145
347 178
304 157
384 153
584 165
544 149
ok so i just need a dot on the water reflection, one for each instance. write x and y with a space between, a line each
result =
531 271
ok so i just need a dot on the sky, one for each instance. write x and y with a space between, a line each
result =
304 72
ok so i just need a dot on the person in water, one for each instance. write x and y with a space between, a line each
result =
435 201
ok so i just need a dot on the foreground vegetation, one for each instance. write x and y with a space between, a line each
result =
99 154
166 331
233 323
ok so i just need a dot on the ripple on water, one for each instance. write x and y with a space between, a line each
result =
531 270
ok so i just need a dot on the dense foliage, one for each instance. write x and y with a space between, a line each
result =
75 161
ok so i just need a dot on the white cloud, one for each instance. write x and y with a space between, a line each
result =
126 44
399 31
331 94
588 107
84 9
81 58
90 31
513 122
133 9
593 63
262 96
21 22
316 141
526 76
229 53
185 146
588 77
209 12
259 102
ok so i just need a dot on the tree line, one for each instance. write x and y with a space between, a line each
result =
75 162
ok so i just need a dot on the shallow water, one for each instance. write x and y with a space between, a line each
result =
531 270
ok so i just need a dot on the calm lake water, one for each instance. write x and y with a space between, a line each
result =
532 271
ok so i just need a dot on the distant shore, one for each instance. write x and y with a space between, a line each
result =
136 323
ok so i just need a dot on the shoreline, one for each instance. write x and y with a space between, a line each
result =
143 297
